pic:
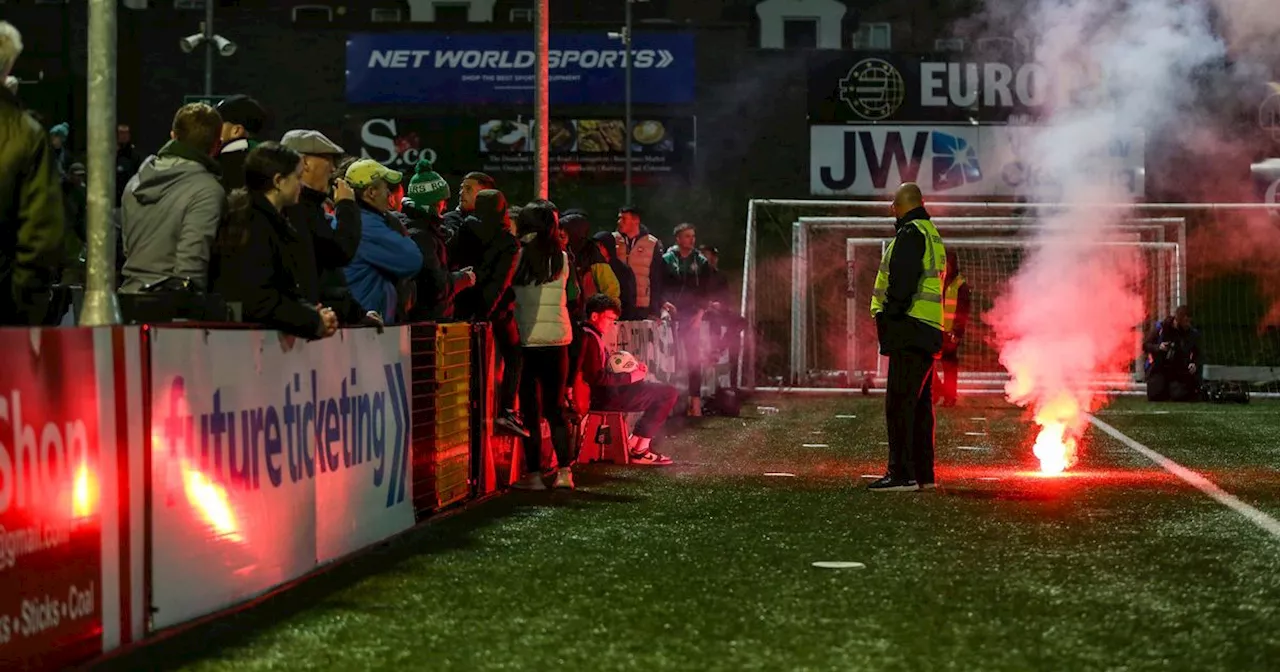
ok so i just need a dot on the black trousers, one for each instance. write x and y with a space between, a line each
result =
1170 384
506 340
655 400
909 416
542 384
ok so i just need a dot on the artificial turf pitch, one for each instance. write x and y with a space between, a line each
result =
708 565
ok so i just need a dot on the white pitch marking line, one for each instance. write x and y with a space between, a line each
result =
975 433
846 417
978 419
971 448
1267 523
814 445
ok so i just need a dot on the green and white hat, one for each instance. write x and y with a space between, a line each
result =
426 187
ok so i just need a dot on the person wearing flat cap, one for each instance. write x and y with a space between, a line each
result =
327 242
386 255
242 120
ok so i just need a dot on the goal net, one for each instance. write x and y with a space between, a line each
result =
796 279
988 265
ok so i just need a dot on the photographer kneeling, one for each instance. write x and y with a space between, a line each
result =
1173 359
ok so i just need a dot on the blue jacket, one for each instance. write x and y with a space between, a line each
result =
385 256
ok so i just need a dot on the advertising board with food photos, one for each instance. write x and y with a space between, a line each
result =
588 147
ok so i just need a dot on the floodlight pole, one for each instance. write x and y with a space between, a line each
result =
626 61
101 306
541 99
208 50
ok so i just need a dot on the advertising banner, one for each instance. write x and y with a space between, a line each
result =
270 454
587 68
955 160
585 147
50 514
934 88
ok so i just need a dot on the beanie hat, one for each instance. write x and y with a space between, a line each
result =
62 129
426 187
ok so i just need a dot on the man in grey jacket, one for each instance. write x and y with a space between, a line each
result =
172 208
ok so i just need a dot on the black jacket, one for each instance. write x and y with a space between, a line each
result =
324 250
434 284
490 250
31 215
454 221
257 262
686 288
1184 347
231 159
897 330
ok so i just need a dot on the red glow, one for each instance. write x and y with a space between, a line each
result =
210 500
84 493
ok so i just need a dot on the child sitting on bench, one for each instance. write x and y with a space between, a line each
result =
604 390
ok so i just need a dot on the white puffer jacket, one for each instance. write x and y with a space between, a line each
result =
542 312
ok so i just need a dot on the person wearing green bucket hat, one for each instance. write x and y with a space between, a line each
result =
425 199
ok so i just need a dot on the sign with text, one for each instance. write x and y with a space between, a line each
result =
50 518
587 68
586 147
889 87
955 160
260 470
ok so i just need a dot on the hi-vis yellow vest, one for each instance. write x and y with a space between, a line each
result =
926 304
639 258
951 301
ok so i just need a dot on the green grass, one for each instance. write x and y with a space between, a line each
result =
708 565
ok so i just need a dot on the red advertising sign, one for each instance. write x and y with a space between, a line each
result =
50 524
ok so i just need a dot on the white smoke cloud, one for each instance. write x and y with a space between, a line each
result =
1069 315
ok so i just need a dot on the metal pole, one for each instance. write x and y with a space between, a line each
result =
541 106
626 61
100 305
208 49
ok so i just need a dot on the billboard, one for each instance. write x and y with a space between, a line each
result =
661 146
894 88
954 160
264 469
50 513
587 68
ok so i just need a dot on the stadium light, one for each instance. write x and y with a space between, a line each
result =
211 43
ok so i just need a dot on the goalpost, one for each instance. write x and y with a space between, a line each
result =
988 260
774 359
813 235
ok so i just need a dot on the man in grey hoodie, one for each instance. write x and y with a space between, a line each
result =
172 208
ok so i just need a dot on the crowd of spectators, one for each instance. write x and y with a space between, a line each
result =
298 236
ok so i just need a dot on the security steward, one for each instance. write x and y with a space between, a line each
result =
956 302
907 307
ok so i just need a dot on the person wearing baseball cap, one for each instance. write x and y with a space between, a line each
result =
386 255
242 120
329 242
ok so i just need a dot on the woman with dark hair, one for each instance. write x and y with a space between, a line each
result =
542 317
255 256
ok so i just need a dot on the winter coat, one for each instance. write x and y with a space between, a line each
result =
170 212
435 284
622 273
328 243
257 263
542 312
592 272
490 250
31 215
454 221
898 331
386 255
688 282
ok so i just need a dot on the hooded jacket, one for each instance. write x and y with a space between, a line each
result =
490 249
31 215
688 282
385 257
171 211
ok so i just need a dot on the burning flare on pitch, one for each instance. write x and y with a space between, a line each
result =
1055 445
